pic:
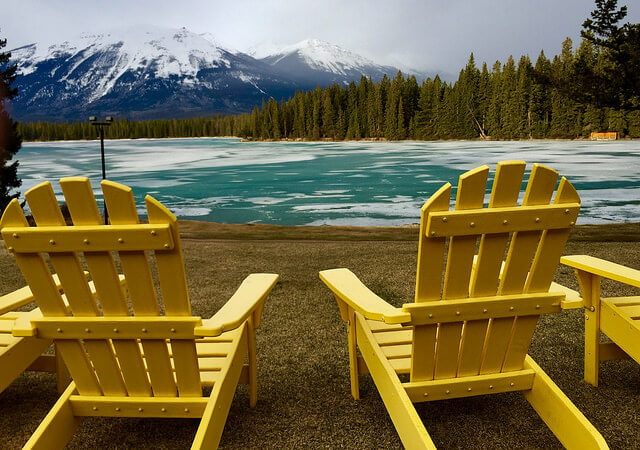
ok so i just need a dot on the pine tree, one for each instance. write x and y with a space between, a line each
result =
10 140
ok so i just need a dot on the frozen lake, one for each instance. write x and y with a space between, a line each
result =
344 183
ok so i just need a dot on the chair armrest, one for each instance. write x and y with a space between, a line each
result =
23 296
247 299
348 288
23 327
572 299
606 269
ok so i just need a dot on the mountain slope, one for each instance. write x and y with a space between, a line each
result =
144 72
154 72
324 63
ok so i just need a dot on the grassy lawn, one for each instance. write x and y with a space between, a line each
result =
304 398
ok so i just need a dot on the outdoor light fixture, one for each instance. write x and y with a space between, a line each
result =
107 121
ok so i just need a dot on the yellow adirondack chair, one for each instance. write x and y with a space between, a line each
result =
18 354
469 334
617 317
136 358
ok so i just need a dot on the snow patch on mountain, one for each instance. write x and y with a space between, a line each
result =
321 55
155 51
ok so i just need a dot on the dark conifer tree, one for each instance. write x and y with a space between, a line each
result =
10 139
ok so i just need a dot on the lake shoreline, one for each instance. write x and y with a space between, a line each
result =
201 230
329 140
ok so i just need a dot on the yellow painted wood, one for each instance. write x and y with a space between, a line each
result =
471 192
622 301
58 426
353 354
431 250
91 328
428 284
54 239
215 414
402 412
605 269
43 363
21 297
18 356
253 363
551 244
68 267
63 377
492 221
175 297
485 276
390 348
251 293
590 289
122 211
348 288
344 309
622 330
541 275
84 211
50 302
120 346
569 425
483 307
426 391
610 351
540 187
403 336
399 365
572 297
112 406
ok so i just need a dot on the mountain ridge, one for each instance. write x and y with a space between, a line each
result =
155 72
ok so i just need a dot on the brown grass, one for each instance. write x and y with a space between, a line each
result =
304 398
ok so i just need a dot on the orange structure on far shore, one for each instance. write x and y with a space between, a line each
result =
610 136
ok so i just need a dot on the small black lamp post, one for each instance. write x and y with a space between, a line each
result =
107 121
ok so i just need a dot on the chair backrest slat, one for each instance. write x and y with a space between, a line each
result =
37 274
46 212
175 296
113 363
542 183
484 279
541 275
83 209
471 192
428 285
135 266
480 346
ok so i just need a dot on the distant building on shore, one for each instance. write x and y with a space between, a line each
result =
609 136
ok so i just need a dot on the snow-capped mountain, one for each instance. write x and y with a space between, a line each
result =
154 72
313 59
144 72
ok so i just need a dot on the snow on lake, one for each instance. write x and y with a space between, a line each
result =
345 183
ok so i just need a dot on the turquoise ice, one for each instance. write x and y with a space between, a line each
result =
345 183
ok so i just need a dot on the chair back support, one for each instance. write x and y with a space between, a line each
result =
129 341
496 296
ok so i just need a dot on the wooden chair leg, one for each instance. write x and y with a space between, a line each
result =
353 355
403 414
566 421
590 288
63 376
253 367
58 426
215 414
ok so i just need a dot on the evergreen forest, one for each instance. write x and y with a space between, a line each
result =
511 100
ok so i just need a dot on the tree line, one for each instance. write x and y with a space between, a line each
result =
507 101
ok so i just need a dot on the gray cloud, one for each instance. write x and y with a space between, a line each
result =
426 35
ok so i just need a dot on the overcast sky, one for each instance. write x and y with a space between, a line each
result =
430 35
